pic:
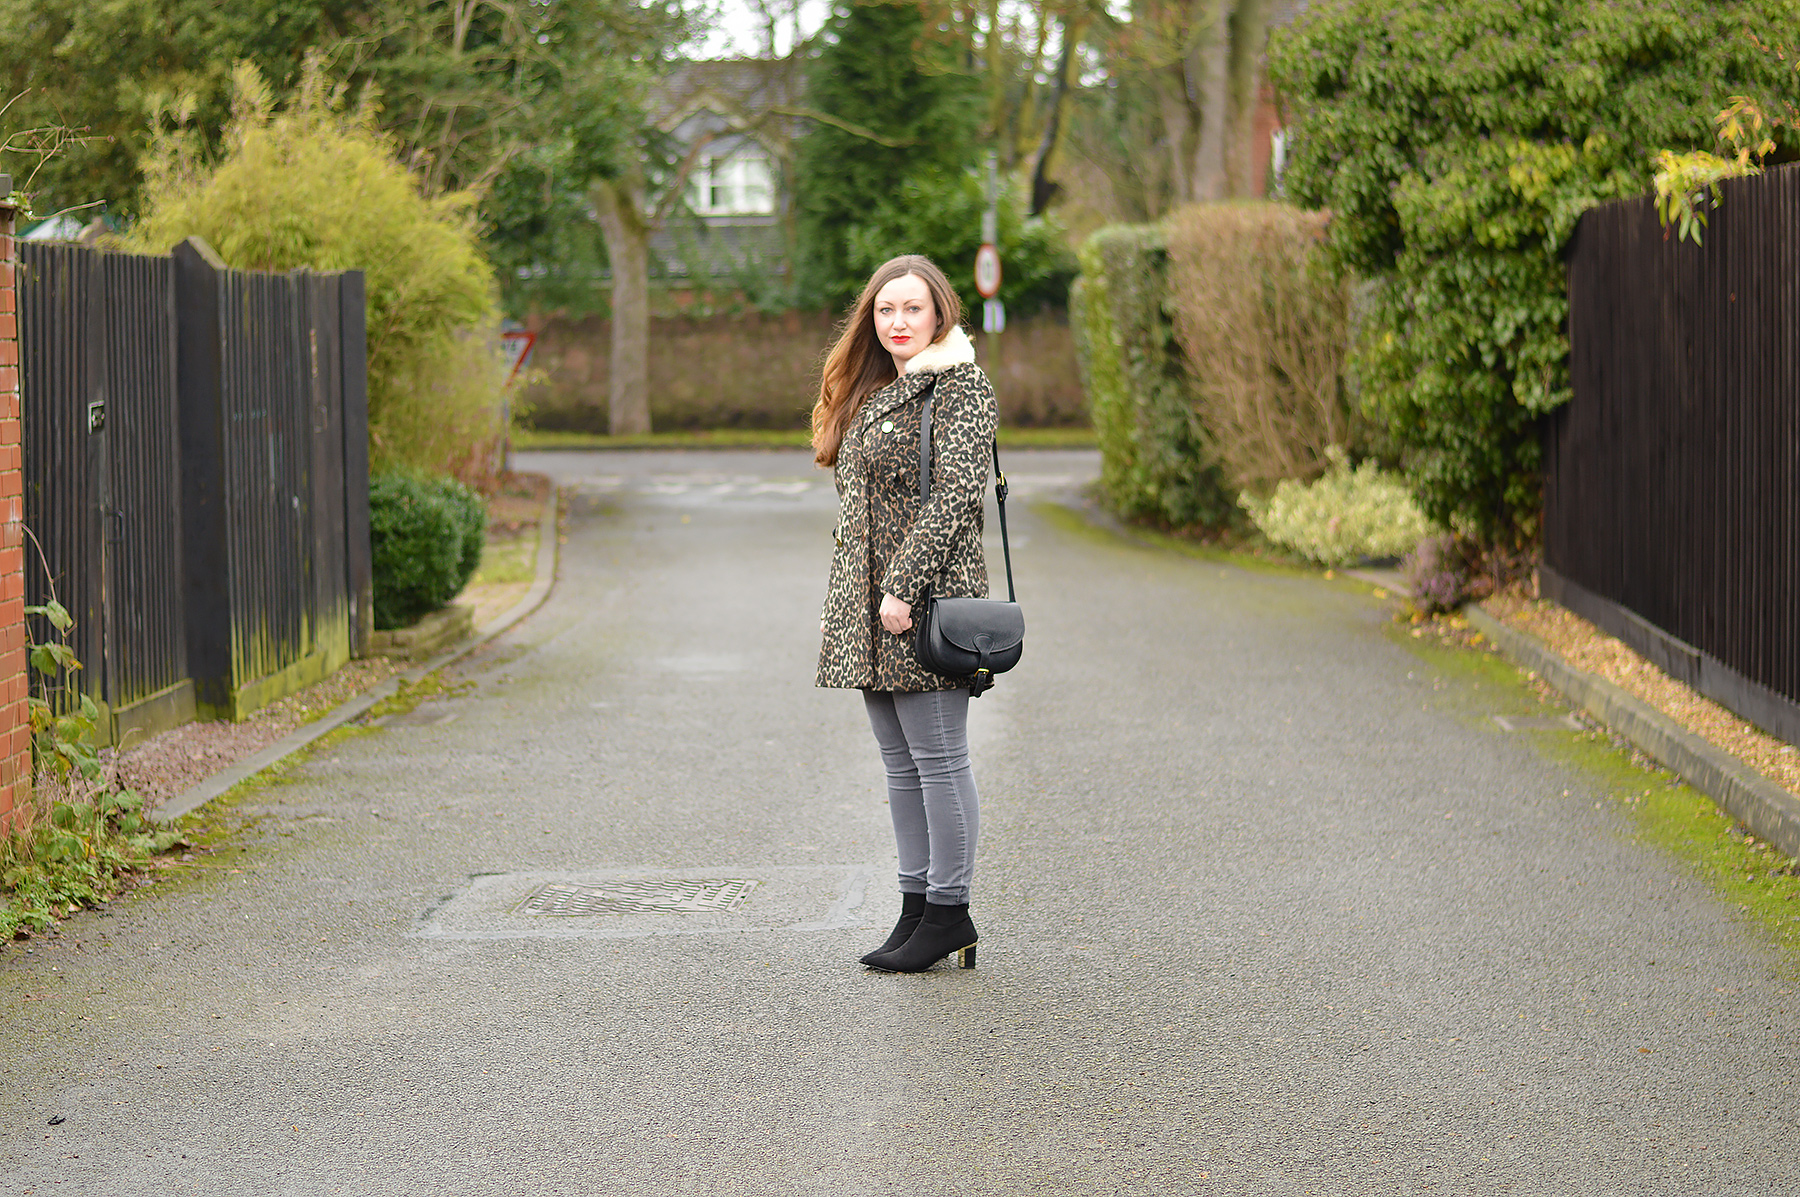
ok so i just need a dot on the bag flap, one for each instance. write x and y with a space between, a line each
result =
962 620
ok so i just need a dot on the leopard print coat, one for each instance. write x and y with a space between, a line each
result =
885 545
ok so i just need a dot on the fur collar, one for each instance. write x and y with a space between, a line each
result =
953 350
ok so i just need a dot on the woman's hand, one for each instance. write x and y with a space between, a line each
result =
896 616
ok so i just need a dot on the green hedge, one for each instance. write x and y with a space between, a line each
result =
1158 461
425 538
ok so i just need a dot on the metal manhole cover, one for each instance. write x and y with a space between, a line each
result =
673 896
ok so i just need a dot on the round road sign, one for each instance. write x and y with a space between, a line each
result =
987 271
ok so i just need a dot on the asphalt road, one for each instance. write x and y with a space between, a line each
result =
1267 907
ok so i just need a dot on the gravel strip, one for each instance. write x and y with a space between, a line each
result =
182 757
1586 647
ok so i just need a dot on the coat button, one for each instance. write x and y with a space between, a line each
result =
887 425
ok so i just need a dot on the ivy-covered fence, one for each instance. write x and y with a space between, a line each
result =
1456 146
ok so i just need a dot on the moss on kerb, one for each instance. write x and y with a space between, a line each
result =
214 824
1666 813
1479 683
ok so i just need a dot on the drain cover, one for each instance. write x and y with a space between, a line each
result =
673 896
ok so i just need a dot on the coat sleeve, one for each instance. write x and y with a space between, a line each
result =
963 418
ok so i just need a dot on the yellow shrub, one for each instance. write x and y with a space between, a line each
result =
316 186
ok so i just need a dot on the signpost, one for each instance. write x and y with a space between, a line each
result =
517 344
987 258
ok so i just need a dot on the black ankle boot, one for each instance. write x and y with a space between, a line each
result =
943 930
912 909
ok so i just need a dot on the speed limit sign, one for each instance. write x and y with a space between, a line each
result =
987 271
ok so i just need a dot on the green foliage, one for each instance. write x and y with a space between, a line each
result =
940 217
1456 146
76 857
316 186
466 90
94 835
902 110
1685 182
1158 462
547 250
1102 379
1343 516
425 539
63 719
123 69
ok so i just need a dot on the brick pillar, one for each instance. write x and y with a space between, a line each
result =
15 726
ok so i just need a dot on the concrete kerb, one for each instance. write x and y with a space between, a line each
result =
1765 808
199 795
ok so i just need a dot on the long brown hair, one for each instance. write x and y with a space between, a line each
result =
858 366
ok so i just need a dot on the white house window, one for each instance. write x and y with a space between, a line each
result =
739 185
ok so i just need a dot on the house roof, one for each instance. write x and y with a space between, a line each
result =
723 87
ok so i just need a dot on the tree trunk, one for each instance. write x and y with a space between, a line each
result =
1211 71
1042 189
1171 98
1249 36
619 203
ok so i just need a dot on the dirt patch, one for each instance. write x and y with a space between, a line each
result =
517 505
1586 647
509 563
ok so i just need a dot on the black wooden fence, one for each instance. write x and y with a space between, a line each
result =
1672 488
196 473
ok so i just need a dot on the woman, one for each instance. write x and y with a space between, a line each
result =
901 348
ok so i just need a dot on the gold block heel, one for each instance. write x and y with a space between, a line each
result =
965 957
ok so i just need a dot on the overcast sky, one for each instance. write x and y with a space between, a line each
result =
738 27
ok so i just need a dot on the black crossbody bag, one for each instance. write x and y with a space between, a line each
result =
968 637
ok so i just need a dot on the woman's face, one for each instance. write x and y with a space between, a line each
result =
905 318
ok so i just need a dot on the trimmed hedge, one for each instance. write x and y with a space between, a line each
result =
1158 461
1265 323
425 538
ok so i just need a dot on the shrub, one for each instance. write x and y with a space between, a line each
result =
425 538
1158 461
1456 146
1344 516
1265 324
318 187
1437 573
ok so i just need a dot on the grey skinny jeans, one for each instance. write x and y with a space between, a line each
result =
924 741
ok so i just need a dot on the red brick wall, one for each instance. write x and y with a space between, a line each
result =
15 727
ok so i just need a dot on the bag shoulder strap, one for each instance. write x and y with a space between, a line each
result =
999 482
